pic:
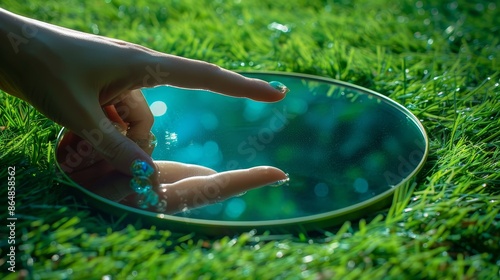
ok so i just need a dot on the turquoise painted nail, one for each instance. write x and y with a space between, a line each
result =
152 198
141 168
141 184
279 86
142 202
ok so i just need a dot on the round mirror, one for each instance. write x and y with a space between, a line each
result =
344 147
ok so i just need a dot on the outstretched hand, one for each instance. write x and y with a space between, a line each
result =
70 76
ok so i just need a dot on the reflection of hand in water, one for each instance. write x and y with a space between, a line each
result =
181 186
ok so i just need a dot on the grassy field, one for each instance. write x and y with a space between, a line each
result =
440 59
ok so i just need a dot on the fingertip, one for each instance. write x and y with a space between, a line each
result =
267 91
279 87
270 173
123 154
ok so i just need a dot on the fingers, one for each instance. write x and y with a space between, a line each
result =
73 153
134 110
117 149
201 190
160 69
113 116
171 171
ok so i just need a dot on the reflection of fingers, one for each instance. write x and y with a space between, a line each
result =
171 171
201 190
116 186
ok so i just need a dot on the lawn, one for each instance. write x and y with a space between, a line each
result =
439 59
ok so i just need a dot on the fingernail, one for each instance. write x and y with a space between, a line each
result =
142 201
153 198
279 86
140 168
280 182
141 184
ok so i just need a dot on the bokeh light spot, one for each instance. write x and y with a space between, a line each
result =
321 189
360 185
158 108
235 207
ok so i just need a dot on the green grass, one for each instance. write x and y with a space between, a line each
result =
439 59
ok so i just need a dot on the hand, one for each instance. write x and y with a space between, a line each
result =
181 186
69 76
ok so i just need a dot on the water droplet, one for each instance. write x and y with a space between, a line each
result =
55 258
95 28
411 106
453 6
240 194
351 264
140 185
279 27
307 259
280 182
170 139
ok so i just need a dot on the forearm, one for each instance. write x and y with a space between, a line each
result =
15 34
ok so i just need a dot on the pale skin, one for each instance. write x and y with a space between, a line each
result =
69 76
